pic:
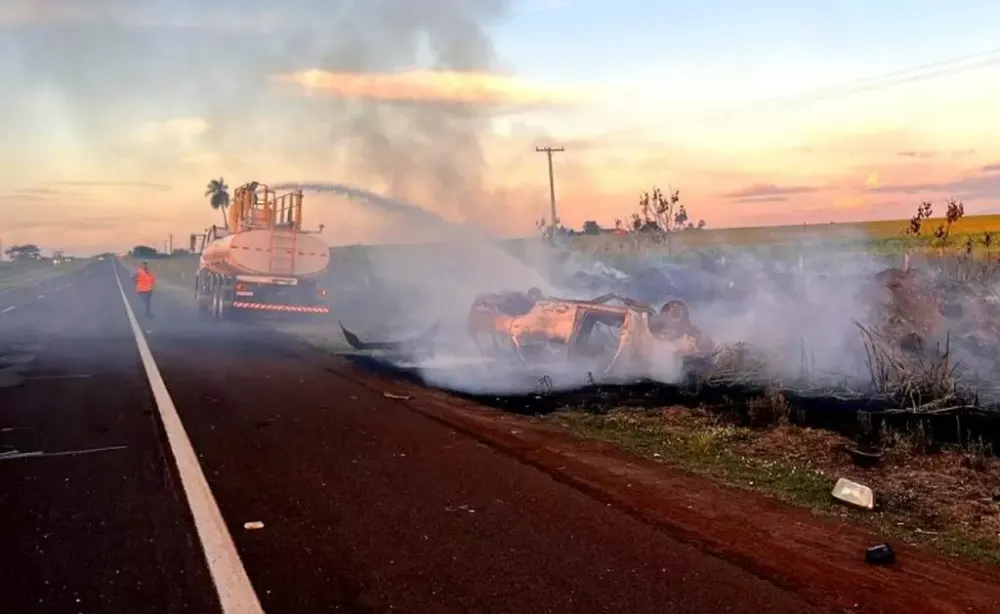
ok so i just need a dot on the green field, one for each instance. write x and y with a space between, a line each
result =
13 269
881 235
24 274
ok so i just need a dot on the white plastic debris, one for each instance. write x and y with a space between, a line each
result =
854 494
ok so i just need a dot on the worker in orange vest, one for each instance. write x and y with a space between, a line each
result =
145 281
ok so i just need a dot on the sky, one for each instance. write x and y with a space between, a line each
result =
116 113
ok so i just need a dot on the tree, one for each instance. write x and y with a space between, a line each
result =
924 212
659 215
954 212
218 196
591 227
29 251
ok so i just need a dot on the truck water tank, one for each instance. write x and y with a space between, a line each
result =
249 253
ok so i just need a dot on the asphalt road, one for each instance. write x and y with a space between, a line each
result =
366 506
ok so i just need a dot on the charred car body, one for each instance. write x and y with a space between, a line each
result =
611 335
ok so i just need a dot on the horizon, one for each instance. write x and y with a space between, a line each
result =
760 116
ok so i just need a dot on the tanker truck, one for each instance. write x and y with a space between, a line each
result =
262 261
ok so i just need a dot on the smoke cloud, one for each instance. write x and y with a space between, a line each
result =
97 77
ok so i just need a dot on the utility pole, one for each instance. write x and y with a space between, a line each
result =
552 182
170 252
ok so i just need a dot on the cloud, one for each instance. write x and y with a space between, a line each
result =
981 183
39 194
764 199
182 130
766 190
42 192
144 14
159 187
534 6
449 87
922 155
928 154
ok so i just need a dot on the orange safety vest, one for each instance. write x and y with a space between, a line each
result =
144 281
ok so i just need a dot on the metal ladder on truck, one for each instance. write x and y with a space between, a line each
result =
283 227
284 244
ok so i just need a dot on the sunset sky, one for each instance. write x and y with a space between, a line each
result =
115 113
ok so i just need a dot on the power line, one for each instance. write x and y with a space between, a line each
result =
900 77
923 72
990 55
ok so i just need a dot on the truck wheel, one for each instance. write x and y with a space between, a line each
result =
203 305
216 300
221 311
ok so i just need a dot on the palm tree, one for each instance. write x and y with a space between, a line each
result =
218 196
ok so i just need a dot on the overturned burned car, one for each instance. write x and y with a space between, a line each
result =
611 336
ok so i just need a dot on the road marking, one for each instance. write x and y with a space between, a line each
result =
236 594
8 310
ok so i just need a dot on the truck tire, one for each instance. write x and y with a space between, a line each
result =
221 311
203 306
216 299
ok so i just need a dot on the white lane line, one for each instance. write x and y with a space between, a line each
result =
232 584
8 310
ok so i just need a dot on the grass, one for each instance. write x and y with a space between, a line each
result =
884 233
942 502
15 275
11 269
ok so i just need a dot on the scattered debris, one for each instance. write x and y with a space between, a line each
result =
397 397
253 525
880 554
16 454
864 458
854 494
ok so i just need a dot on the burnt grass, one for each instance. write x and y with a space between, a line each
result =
864 420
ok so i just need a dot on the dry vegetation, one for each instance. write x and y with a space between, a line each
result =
946 498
